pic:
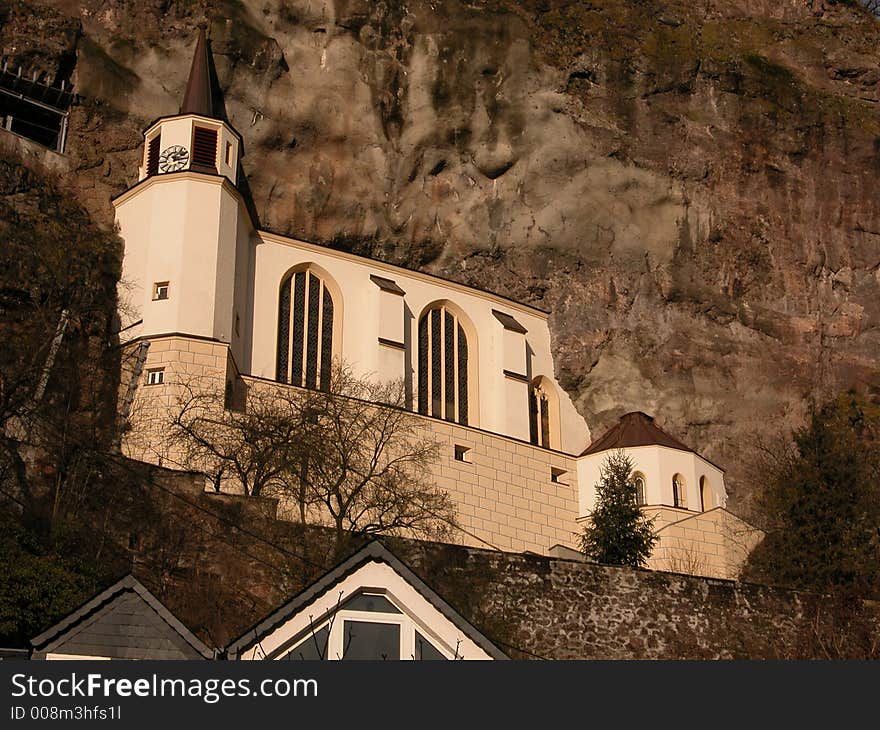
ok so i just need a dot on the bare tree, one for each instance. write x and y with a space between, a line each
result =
351 458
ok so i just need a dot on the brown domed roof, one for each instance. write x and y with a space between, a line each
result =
635 429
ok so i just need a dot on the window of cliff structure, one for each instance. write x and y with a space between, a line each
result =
34 109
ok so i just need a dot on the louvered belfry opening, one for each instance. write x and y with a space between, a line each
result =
205 148
305 331
443 364
153 155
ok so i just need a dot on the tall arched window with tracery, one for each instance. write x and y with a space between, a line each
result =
543 413
443 366
305 331
539 415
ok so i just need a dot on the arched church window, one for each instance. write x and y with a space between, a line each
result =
705 495
543 413
639 483
539 414
678 491
305 331
443 366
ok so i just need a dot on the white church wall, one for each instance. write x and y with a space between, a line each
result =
658 465
181 229
368 313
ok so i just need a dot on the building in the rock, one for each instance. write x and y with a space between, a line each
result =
215 297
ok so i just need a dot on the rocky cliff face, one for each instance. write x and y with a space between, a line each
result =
691 188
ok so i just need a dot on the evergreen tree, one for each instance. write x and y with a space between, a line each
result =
820 503
618 533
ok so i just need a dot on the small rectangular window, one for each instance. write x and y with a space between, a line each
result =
229 154
160 290
156 377
556 475
461 453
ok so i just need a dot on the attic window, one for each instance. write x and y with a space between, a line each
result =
156 376
368 626
205 147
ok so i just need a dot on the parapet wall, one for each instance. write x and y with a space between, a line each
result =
540 607
504 490
715 542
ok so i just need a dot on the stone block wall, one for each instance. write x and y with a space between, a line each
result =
504 489
538 607
714 543
508 494
185 360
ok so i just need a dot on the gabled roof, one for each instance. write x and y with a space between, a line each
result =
373 552
198 97
125 621
635 429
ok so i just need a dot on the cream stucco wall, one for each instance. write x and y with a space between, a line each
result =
658 464
368 313
185 229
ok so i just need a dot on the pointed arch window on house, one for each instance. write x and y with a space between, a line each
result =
443 366
543 413
539 414
678 491
305 331
705 495
639 482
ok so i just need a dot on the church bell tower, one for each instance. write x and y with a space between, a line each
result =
184 290
185 226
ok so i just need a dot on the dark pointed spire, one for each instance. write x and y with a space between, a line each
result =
198 98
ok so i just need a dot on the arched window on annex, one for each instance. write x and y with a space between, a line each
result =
679 491
543 413
706 501
641 492
446 362
309 305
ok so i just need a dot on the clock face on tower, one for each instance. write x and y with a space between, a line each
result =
173 158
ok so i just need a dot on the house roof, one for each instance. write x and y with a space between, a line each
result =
125 621
635 429
375 552
198 97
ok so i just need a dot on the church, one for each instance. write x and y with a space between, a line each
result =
208 294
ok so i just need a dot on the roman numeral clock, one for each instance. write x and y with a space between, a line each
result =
173 158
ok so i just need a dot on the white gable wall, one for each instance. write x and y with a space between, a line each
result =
379 577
